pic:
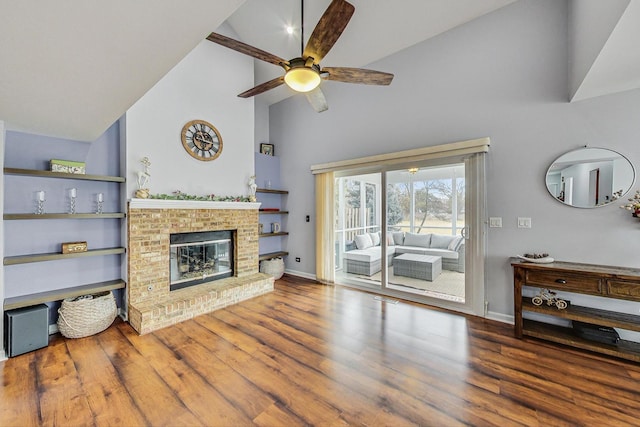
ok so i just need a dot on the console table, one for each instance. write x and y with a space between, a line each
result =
602 281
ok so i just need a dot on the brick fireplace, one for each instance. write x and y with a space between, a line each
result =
150 223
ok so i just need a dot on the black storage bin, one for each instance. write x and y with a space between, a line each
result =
602 334
26 329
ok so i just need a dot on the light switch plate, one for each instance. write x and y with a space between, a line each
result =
524 222
495 222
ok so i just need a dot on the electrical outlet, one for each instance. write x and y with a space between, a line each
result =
307 218
524 222
297 259
495 222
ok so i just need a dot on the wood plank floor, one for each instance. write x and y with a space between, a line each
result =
309 354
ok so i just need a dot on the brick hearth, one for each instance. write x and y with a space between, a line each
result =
150 222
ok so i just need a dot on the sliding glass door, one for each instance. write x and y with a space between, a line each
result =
404 231
425 220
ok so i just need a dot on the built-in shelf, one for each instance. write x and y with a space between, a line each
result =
273 255
274 212
269 190
60 294
64 175
25 259
64 216
280 233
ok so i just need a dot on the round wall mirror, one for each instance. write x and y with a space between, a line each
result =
590 177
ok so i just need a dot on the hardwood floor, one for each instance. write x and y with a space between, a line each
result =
321 355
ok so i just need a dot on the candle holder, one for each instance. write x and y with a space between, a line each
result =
100 203
40 205
72 202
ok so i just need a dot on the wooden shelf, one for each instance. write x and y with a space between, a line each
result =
60 294
624 349
612 319
269 190
64 216
25 259
64 175
273 212
272 255
281 233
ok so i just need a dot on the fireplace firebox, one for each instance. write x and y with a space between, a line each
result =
200 257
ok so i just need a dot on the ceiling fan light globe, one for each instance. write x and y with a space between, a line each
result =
302 79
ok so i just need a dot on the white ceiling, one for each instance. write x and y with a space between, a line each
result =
70 69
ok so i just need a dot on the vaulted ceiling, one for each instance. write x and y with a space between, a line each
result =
70 69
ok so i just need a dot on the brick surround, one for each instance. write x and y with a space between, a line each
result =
150 222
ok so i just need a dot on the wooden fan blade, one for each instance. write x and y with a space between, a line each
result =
246 49
358 75
328 30
262 87
317 100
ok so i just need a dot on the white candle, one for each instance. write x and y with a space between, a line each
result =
99 197
72 192
41 196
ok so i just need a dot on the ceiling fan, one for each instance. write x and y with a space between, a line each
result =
303 74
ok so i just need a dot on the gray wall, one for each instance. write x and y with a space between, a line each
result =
503 76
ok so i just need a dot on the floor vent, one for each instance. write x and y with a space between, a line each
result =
388 301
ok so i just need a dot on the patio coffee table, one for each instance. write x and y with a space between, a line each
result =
425 267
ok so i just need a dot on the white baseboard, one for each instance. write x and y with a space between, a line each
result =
53 329
500 317
301 274
3 356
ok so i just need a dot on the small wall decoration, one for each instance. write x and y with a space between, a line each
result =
67 166
74 247
72 200
201 140
41 200
267 149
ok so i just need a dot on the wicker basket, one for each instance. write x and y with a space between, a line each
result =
83 316
273 267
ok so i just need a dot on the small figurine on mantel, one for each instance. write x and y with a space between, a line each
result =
252 188
143 179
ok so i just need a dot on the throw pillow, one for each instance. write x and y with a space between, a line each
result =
441 241
419 240
363 241
375 238
390 241
455 244
398 238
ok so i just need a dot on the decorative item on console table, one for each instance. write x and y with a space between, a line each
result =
607 282
633 205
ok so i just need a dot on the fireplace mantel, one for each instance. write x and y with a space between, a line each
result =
189 204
